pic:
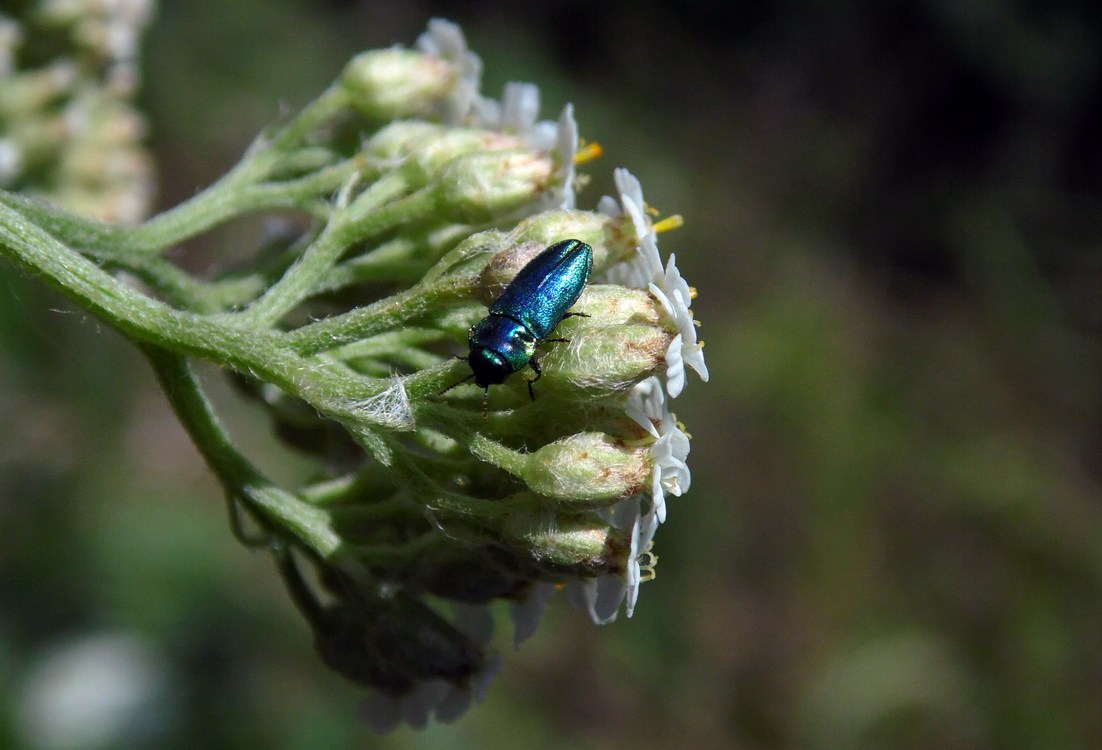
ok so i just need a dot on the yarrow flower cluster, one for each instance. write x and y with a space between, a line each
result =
68 130
434 499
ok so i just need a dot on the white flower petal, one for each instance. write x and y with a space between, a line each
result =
675 368
566 149
633 573
673 281
528 613
445 40
658 495
600 597
520 107
646 405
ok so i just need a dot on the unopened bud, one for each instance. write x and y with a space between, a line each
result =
431 153
483 186
612 304
581 545
503 268
395 83
605 359
392 142
589 469
548 227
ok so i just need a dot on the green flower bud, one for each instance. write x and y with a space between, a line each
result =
612 304
503 268
480 187
588 469
431 153
548 227
392 142
395 83
604 359
582 545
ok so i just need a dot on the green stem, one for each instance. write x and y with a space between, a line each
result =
302 279
175 286
334 391
386 314
232 196
226 199
236 473
393 260
328 105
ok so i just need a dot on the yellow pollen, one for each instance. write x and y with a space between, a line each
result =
668 223
692 295
588 152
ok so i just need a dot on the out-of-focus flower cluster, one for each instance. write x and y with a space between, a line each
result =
68 130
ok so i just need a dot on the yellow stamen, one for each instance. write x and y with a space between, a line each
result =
588 152
668 223
692 295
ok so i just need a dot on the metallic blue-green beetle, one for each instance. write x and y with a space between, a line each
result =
527 313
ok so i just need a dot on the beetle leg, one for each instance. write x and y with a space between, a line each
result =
539 374
576 315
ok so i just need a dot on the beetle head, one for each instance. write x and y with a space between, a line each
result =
489 367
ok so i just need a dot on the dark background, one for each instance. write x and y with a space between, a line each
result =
894 533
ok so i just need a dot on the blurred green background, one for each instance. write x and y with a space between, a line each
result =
894 533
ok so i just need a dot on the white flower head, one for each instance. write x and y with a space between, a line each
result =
629 203
601 597
445 40
642 536
646 406
517 115
675 296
